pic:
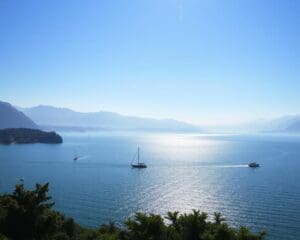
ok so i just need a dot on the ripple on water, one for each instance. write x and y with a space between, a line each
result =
184 173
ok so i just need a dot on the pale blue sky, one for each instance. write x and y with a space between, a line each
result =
204 61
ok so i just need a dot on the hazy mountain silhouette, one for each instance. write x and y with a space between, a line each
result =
295 127
285 124
64 117
10 117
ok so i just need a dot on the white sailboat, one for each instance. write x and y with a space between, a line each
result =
138 164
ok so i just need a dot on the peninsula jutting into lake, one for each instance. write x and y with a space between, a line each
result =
26 135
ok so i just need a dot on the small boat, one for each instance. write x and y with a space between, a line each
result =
21 179
138 164
253 165
76 155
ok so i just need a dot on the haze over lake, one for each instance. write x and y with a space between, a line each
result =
185 172
206 91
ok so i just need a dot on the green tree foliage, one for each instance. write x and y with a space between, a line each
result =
146 227
28 215
218 218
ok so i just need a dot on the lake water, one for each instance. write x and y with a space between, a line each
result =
206 172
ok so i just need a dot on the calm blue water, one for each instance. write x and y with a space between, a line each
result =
206 172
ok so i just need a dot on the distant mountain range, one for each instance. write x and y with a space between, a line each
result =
10 117
284 124
64 118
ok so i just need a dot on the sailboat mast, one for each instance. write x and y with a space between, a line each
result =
138 155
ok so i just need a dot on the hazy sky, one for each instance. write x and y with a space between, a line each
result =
204 61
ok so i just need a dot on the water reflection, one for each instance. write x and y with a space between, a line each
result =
184 172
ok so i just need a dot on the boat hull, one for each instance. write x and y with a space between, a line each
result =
253 165
138 166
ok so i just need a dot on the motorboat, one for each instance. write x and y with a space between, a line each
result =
253 165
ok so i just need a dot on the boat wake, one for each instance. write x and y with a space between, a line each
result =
83 157
233 166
